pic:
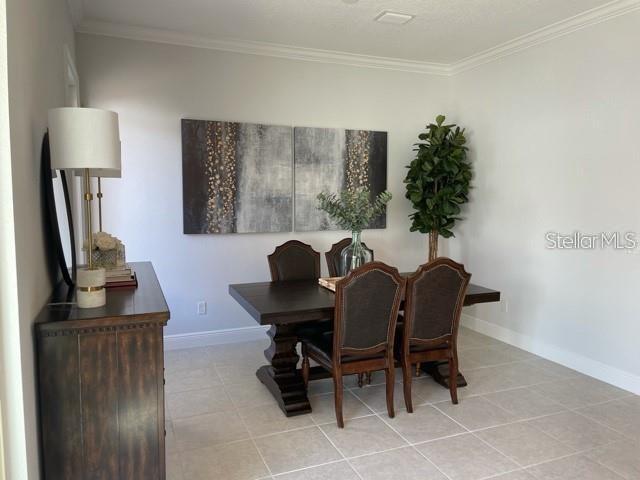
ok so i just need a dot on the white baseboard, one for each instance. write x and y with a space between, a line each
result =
214 337
582 364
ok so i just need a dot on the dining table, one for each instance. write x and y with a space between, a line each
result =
285 306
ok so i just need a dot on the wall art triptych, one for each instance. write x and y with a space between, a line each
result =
243 177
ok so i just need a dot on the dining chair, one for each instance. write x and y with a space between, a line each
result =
433 304
333 256
294 260
366 311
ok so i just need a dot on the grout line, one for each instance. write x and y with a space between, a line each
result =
354 389
339 451
412 445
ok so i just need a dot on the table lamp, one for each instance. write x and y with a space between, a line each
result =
100 173
86 138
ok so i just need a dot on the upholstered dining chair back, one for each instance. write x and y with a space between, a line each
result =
294 260
333 256
367 303
434 298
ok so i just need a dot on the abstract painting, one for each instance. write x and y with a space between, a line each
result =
236 177
332 160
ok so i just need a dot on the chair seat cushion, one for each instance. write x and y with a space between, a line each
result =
321 344
311 329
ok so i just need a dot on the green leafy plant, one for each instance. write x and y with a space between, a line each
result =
353 209
438 181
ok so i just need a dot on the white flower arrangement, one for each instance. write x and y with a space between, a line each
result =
104 241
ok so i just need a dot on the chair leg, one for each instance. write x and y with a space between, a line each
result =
390 378
360 380
338 392
305 366
407 377
453 377
418 369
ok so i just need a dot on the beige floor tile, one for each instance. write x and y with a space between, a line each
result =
265 420
362 435
516 475
524 443
524 403
576 431
239 373
187 359
425 390
622 457
198 402
476 412
621 415
556 369
525 374
489 380
331 471
245 353
323 408
466 457
298 449
572 468
174 467
195 379
425 423
478 338
486 356
579 392
207 430
232 461
375 397
403 463
250 394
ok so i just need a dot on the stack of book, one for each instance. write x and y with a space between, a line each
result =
121 277
329 282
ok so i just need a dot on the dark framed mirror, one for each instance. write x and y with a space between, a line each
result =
58 215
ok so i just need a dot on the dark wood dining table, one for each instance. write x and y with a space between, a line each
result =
287 305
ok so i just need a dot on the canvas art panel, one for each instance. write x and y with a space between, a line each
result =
237 177
332 160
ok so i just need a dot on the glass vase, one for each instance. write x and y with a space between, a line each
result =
354 255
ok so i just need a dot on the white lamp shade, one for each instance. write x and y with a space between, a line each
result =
84 138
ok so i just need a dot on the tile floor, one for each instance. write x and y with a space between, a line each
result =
520 418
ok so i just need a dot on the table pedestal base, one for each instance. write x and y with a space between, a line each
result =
439 371
282 377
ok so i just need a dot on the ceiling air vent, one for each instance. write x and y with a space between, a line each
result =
394 18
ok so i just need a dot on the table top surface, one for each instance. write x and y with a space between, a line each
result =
144 302
273 302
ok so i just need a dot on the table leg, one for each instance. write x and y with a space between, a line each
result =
282 377
439 371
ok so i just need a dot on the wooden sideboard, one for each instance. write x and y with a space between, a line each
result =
101 384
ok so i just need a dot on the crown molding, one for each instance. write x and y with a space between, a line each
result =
594 16
545 34
76 10
260 48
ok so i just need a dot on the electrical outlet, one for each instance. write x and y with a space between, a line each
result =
504 305
202 308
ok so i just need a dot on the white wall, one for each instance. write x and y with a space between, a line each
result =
36 33
152 86
553 132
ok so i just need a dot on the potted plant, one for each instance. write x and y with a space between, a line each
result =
438 181
353 210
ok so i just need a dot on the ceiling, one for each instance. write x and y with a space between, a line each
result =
443 31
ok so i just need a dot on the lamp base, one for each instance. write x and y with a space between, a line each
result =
90 291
